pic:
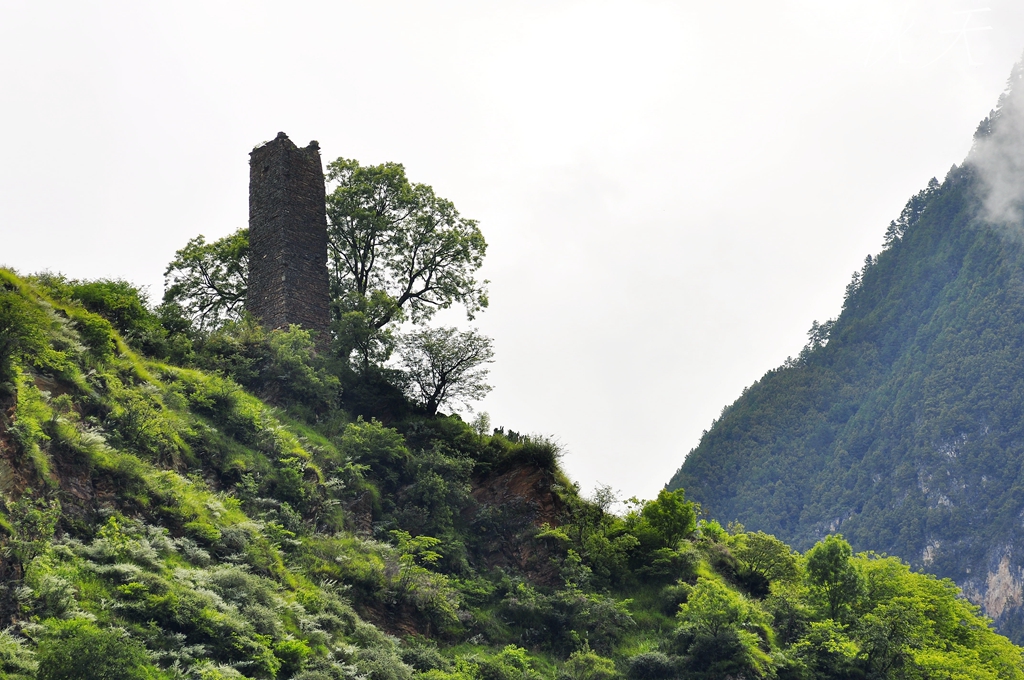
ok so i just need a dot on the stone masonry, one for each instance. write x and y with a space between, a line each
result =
288 237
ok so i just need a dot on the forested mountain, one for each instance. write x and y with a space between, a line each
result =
901 424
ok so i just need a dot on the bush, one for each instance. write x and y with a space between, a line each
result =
587 665
78 650
126 308
16 661
282 366
512 663
381 663
423 657
650 666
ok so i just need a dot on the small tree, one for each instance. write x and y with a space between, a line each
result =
446 365
766 556
209 281
671 517
831 571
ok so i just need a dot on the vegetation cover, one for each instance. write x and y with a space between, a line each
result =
161 520
187 495
900 423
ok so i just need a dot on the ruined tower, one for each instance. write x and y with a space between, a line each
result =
288 236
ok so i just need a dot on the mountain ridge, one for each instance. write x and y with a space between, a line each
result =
898 424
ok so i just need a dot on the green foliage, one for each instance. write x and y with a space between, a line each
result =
17 662
766 556
512 663
670 517
898 423
585 664
651 666
394 240
208 281
831 571
115 304
280 365
179 526
445 366
382 449
79 650
33 521
21 328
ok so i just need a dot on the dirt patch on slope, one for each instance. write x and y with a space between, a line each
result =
511 507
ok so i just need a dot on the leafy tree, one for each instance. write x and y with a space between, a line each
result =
712 607
890 632
827 650
445 365
670 516
831 571
766 556
717 627
209 281
398 239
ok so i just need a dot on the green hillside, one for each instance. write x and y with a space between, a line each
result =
900 424
158 520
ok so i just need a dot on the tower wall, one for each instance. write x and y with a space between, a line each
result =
288 237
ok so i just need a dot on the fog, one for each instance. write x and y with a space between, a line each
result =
998 156
671 191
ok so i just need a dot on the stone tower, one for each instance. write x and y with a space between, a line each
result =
288 237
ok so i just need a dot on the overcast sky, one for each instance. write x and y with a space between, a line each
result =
671 191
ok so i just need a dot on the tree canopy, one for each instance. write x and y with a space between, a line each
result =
209 281
398 248
446 365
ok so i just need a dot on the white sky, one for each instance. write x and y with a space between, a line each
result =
672 191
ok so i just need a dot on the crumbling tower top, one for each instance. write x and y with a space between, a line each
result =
288 236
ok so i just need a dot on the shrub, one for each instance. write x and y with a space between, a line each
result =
381 663
16 661
587 665
512 663
281 365
650 666
78 650
423 657
22 327
126 308
292 654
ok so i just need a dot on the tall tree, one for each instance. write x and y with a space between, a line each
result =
396 248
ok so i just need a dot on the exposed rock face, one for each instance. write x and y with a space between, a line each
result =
999 591
511 507
288 281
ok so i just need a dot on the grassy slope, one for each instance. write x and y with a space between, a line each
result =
231 538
